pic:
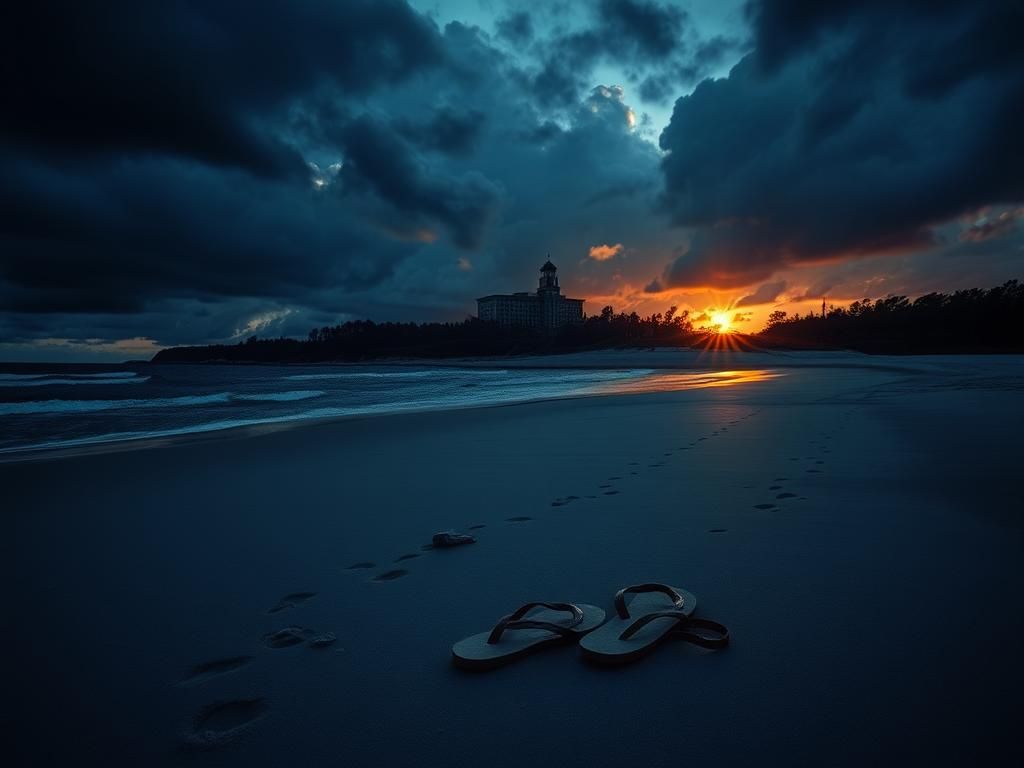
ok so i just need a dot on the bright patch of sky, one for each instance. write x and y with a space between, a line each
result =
707 19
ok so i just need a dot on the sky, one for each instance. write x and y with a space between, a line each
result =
203 171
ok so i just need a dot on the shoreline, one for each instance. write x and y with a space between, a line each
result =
198 434
696 362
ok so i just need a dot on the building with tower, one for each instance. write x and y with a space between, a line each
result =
547 309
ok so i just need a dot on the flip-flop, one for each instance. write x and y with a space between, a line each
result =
656 612
516 635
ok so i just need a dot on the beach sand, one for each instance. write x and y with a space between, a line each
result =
857 525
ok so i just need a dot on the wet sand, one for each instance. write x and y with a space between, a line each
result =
856 527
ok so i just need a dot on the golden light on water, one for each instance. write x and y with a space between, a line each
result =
673 381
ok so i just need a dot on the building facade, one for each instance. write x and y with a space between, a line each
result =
546 310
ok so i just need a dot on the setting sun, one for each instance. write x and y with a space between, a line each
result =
722 321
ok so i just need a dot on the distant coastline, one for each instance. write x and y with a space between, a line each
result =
976 321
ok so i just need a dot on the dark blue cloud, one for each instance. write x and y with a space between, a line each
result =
392 188
844 134
196 78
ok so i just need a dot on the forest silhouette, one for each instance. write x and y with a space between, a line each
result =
968 321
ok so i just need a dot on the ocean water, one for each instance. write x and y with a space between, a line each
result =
62 406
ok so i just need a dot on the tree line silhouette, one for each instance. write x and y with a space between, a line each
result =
367 340
969 321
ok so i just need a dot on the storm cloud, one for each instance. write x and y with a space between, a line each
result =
241 169
845 133
195 172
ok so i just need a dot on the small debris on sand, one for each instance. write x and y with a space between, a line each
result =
451 539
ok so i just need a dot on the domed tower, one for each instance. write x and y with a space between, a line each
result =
548 278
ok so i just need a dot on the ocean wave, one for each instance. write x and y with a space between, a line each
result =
22 376
92 406
48 380
110 375
282 397
449 372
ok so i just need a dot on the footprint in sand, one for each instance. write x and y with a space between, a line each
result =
221 722
786 496
200 673
291 600
519 519
361 566
322 640
764 506
287 637
411 555
397 573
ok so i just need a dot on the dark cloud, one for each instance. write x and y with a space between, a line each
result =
448 130
649 28
766 294
199 79
654 41
112 238
824 144
385 195
378 158
516 27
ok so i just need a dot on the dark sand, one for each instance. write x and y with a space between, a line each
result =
873 601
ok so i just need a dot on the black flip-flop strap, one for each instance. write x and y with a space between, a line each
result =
620 596
515 620
647 618
703 632
713 636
